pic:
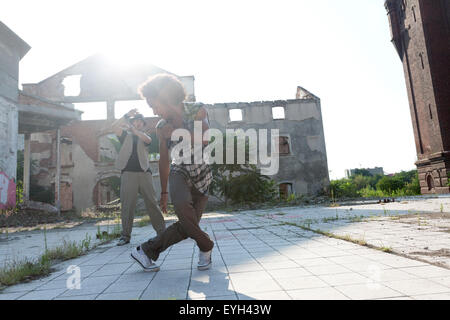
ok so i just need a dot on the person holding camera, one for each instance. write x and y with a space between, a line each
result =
136 176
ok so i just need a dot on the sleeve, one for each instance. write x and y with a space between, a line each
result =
147 132
161 123
122 137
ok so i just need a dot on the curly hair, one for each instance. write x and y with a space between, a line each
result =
167 88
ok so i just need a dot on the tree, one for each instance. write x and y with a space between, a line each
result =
241 183
390 184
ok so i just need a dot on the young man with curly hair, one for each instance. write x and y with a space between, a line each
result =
188 183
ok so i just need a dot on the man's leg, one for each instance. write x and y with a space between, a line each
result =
200 201
148 193
128 198
187 224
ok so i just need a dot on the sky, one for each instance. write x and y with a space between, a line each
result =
243 51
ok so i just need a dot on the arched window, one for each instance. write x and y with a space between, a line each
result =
430 182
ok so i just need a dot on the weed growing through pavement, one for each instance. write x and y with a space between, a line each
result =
18 271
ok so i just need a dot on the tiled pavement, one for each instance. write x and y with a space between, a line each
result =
255 257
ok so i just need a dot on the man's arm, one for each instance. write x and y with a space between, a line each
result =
164 168
203 117
141 135
120 124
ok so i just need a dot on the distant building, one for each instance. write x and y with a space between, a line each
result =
421 35
374 171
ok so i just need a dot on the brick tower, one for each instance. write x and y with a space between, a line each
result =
421 35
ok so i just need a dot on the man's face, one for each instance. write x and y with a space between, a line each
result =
159 109
138 124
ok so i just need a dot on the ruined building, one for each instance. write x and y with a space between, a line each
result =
88 150
421 35
21 114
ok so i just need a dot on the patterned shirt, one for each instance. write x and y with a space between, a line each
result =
198 176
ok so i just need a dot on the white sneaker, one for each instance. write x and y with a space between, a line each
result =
146 263
204 260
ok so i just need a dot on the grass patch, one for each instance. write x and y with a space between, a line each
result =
23 271
357 218
386 249
325 220
26 270
106 236
69 250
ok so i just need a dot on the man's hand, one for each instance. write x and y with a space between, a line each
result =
125 126
132 112
163 202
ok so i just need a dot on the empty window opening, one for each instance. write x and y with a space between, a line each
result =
285 190
92 110
235 115
72 86
278 113
284 146
414 13
431 113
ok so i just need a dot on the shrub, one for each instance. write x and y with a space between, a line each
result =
241 183
405 183
343 188
413 188
19 192
390 184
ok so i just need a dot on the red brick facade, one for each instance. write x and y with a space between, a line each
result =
421 34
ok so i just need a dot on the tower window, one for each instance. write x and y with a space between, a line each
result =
430 182
431 113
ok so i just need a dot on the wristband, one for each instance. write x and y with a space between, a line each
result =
164 193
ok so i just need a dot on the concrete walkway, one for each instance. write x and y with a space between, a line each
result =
261 254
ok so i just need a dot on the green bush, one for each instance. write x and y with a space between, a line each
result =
413 187
247 187
405 183
19 192
343 188
390 184
241 183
